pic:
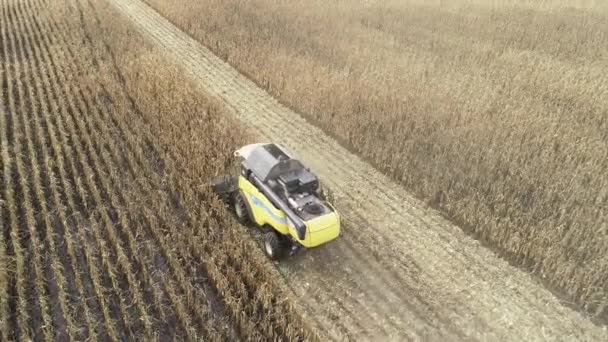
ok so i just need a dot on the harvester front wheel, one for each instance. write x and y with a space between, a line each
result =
272 245
240 208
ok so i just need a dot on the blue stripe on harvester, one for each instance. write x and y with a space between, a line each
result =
258 203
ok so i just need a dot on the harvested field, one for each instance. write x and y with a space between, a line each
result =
109 231
493 112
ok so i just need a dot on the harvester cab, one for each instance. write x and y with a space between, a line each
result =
276 192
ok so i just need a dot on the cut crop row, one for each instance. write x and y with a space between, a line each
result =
111 157
110 256
27 221
53 79
57 279
64 150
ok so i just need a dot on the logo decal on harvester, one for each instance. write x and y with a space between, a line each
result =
258 203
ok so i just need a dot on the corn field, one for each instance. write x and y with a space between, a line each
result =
492 112
116 116
109 230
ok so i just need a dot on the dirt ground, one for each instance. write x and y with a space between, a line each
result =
399 270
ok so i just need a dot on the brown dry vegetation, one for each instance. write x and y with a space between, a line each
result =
495 114
109 230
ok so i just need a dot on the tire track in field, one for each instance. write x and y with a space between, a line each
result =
459 290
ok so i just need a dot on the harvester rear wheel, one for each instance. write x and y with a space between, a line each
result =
240 208
272 245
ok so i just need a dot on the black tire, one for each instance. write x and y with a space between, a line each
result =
273 246
240 209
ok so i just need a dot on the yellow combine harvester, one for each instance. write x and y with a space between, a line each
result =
276 192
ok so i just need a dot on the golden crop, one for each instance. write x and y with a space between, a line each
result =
496 113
